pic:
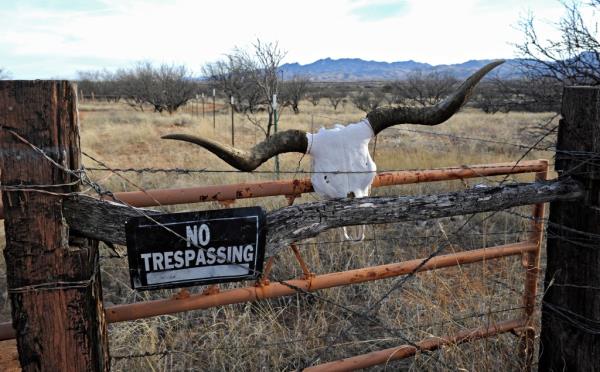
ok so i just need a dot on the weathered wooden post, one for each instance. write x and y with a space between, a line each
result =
54 281
570 336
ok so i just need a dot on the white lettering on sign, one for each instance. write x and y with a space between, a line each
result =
198 256
168 260
146 257
197 235
196 248
157 258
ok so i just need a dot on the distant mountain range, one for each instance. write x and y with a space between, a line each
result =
353 69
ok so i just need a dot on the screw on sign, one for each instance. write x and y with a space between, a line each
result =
184 249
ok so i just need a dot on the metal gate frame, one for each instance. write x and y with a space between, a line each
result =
309 282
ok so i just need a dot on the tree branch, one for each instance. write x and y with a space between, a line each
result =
105 221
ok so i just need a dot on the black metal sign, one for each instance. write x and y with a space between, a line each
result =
183 249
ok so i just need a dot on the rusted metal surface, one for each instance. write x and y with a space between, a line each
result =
221 193
405 351
146 309
456 173
264 279
532 269
305 270
264 289
228 193
298 187
121 313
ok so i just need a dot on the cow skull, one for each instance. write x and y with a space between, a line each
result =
341 160
342 165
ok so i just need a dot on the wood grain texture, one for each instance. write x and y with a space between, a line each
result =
59 328
303 221
105 221
570 336
9 358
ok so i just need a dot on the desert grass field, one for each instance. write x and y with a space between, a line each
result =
293 332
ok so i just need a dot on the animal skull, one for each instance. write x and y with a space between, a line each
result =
342 165
342 150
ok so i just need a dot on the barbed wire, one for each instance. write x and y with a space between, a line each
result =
378 239
455 320
546 221
370 318
80 174
366 315
575 156
301 171
585 324
400 282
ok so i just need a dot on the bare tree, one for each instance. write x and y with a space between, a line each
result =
252 77
231 77
424 88
574 58
101 83
314 94
393 92
175 87
263 65
334 96
367 100
518 93
548 65
293 91
133 84
165 88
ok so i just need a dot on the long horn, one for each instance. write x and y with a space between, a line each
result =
385 117
247 161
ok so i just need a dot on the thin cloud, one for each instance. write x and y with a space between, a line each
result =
39 39
375 11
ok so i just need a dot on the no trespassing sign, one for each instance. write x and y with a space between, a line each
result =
193 248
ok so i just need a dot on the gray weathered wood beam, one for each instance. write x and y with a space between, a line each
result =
105 221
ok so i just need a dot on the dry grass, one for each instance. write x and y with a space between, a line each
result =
286 333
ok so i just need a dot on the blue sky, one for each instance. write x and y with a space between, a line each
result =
56 38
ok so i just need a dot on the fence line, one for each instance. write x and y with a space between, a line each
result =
290 287
536 193
455 173
295 188
293 288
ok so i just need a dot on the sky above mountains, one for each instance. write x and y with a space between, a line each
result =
42 39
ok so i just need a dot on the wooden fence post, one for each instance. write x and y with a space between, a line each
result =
54 281
570 336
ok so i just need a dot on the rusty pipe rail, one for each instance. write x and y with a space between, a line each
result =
531 263
405 351
145 309
200 194
299 187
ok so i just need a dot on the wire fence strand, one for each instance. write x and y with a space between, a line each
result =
367 313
